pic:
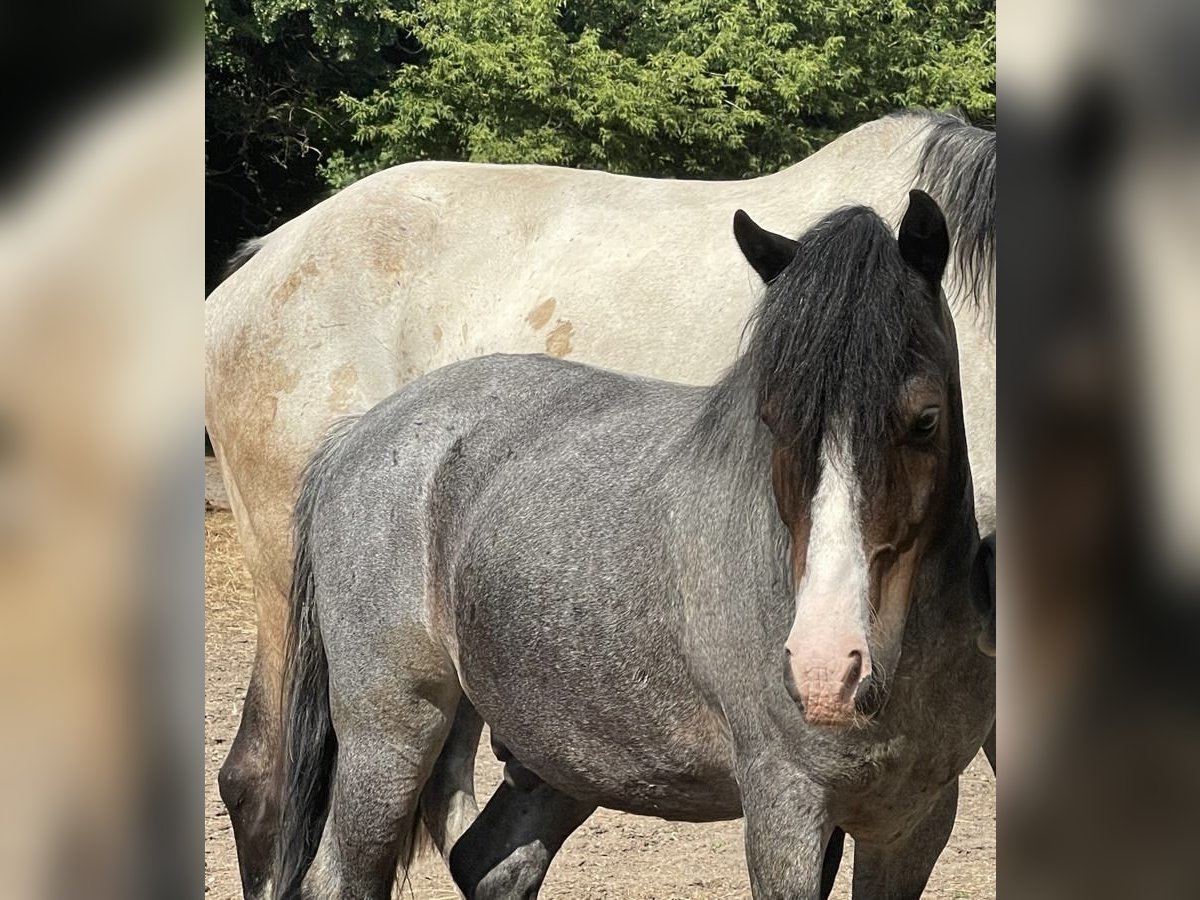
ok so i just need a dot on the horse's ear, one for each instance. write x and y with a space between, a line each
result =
767 252
924 238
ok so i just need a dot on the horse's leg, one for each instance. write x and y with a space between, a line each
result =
788 832
899 870
247 775
392 711
448 802
506 853
832 861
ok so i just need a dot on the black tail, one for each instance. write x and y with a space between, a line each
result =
242 255
309 742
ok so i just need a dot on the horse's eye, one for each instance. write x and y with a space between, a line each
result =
925 425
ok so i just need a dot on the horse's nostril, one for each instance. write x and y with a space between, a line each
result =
854 672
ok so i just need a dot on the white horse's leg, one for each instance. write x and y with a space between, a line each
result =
832 861
247 777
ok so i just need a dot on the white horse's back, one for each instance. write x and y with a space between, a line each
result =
427 263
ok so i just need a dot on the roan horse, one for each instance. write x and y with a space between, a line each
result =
427 264
693 603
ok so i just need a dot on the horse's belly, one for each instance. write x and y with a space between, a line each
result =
680 770
611 718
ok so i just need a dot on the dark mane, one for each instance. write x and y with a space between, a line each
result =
831 341
957 167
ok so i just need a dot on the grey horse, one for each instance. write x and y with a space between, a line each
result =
698 603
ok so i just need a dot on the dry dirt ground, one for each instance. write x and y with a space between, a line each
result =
613 855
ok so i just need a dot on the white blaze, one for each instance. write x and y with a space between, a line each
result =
831 598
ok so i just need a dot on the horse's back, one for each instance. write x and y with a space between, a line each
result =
474 422
427 263
464 234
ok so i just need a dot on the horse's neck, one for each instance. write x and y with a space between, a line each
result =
729 491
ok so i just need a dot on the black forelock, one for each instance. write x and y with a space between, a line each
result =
835 337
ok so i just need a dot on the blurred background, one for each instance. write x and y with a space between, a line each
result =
109 241
101 318
1099 222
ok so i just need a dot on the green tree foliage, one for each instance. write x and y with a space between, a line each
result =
307 94
275 70
666 87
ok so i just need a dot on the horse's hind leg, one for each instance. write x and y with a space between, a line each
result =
448 804
246 775
246 779
900 870
506 853
391 713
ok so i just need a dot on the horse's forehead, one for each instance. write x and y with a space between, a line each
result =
833 551
834 506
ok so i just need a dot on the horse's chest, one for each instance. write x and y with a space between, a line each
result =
896 789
